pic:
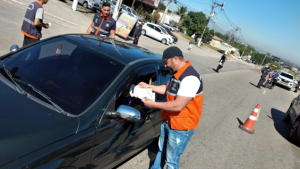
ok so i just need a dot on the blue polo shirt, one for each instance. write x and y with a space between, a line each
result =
106 24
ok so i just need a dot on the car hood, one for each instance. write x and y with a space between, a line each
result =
26 126
286 79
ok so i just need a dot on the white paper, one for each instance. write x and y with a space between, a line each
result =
142 93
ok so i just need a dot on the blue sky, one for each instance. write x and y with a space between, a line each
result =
270 25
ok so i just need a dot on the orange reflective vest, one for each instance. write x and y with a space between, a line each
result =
189 117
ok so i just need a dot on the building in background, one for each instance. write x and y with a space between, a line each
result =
148 5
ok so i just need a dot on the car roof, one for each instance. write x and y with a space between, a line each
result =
125 53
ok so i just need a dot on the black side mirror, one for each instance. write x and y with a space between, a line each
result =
125 112
14 48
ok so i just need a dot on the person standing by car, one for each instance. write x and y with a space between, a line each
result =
103 24
33 22
181 111
264 74
297 86
138 32
221 62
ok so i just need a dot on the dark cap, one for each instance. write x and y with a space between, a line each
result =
169 53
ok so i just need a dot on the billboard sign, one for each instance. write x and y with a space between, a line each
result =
125 24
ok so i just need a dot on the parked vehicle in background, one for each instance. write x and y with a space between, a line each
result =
166 31
155 31
131 12
91 4
293 116
175 39
168 26
66 103
112 6
286 80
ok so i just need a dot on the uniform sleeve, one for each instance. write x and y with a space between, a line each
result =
113 27
189 86
39 13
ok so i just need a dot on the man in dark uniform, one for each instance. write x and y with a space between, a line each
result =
222 61
103 24
33 22
264 74
297 86
138 32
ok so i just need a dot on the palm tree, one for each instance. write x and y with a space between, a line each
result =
181 11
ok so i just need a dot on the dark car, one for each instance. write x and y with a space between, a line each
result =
292 116
65 103
170 33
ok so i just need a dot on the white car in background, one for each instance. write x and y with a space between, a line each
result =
91 4
168 26
166 32
286 80
155 31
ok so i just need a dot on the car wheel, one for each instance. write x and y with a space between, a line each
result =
293 133
85 4
143 32
286 117
164 41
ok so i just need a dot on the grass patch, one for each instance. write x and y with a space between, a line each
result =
187 37
293 73
209 46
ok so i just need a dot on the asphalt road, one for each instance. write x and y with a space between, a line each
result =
229 98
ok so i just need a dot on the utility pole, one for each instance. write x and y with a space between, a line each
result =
234 34
117 8
212 13
263 60
74 5
244 50
166 10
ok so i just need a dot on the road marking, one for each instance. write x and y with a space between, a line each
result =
264 92
50 15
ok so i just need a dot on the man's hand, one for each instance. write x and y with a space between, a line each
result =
143 85
148 102
46 26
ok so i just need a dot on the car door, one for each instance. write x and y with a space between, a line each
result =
158 33
150 30
115 138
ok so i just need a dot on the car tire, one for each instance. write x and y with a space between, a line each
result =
85 5
164 41
286 117
143 32
293 132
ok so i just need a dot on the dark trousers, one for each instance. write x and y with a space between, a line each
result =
28 40
219 67
261 82
136 39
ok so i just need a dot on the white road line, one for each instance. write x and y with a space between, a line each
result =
264 92
18 2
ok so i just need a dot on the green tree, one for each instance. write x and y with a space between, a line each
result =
181 11
194 22
161 6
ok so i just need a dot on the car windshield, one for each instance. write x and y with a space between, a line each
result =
286 75
71 74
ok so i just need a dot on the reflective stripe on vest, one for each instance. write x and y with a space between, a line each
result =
29 21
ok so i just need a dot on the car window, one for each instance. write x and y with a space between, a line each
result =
133 11
150 25
286 75
163 30
72 75
124 7
128 10
157 29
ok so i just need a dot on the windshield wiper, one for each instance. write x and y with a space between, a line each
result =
59 109
19 88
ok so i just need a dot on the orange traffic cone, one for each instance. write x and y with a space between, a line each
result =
259 72
58 52
252 68
248 125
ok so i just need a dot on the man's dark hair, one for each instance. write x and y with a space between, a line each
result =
180 58
106 4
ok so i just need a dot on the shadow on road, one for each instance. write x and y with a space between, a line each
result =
253 84
282 128
240 122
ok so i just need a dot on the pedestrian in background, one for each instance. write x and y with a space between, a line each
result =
190 45
103 24
181 111
138 32
222 61
33 22
264 74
